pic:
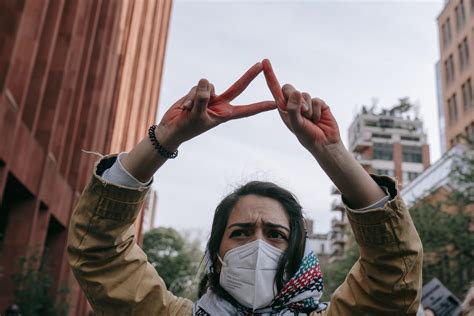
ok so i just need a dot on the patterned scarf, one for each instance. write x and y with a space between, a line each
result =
300 294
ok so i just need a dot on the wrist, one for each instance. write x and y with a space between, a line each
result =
166 139
327 150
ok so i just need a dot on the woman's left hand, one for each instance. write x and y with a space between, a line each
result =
310 119
316 128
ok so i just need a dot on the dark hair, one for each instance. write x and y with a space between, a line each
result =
291 258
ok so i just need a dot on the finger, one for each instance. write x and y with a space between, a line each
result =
188 99
240 85
318 105
287 90
213 89
307 105
240 111
295 102
202 97
273 84
285 119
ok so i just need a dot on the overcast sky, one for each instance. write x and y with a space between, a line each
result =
345 52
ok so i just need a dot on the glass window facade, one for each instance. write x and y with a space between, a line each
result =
383 151
412 154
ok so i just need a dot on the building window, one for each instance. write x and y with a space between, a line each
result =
446 32
460 15
466 89
384 172
452 110
409 176
383 151
449 69
370 123
411 138
385 136
412 154
463 50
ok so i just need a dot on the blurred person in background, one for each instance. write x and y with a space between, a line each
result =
257 259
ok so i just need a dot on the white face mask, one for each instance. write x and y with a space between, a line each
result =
248 273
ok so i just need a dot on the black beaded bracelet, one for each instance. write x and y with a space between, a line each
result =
161 150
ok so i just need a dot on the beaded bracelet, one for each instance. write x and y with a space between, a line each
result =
161 150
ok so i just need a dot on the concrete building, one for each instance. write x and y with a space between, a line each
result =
435 182
455 70
149 211
386 143
320 243
73 75
390 144
339 235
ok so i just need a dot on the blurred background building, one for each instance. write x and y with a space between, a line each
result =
455 71
434 183
73 75
390 143
320 243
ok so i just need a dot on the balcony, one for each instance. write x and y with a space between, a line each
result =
360 145
337 206
338 239
337 224
335 191
363 159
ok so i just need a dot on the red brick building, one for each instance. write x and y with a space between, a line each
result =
74 74
455 72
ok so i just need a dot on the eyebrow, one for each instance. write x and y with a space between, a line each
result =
251 225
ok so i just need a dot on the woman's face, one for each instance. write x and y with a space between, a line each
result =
256 217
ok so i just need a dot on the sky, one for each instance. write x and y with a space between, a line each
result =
348 53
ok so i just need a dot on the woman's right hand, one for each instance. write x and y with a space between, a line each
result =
201 109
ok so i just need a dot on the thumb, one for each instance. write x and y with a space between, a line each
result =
293 106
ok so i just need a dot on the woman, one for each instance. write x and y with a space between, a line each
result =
257 261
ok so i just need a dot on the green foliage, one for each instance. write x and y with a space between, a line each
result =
447 241
33 293
335 273
175 259
463 175
447 244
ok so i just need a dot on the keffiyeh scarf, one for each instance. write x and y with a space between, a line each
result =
300 294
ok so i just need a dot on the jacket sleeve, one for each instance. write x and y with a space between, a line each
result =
110 267
386 280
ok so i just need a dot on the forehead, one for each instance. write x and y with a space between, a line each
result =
252 208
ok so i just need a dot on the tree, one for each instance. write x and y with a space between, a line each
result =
448 241
445 229
335 273
175 259
33 292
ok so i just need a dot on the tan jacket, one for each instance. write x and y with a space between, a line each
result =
117 279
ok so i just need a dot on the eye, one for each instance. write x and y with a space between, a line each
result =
239 233
275 234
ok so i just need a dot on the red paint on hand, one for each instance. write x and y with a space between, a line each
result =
273 84
219 105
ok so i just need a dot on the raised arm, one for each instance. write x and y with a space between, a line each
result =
111 268
312 122
200 110
386 280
